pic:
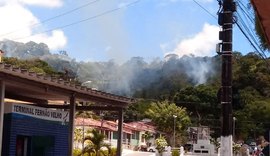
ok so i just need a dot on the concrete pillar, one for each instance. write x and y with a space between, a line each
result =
120 132
72 110
2 96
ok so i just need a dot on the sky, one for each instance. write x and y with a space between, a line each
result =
101 30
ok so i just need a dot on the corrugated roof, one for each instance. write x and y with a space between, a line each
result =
101 124
262 9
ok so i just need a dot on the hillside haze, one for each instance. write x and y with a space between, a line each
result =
133 77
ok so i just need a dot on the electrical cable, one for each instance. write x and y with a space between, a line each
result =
248 18
204 9
80 21
261 52
251 35
244 9
248 31
51 18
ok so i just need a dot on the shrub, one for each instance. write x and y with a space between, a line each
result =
113 151
77 152
175 153
160 144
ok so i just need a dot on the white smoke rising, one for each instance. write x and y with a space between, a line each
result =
198 69
202 44
111 29
123 79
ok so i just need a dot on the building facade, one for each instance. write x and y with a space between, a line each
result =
133 133
34 131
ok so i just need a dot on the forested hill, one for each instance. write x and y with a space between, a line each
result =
191 82
135 77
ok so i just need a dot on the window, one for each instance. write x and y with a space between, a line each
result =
23 145
135 135
115 135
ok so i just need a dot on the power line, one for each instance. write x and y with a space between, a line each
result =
249 33
51 18
80 21
243 32
261 52
205 9
245 11
245 24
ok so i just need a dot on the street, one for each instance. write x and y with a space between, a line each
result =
139 153
136 153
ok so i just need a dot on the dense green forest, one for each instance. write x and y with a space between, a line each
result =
176 87
250 97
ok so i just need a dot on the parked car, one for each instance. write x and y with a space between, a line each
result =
188 147
153 148
143 148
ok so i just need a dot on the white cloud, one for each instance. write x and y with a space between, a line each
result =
45 3
14 25
202 44
17 26
57 40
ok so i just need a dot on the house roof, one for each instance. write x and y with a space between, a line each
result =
21 84
101 124
112 125
262 9
142 126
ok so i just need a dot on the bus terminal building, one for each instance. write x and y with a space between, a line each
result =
42 123
37 131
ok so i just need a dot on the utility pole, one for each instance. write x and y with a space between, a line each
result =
225 19
174 117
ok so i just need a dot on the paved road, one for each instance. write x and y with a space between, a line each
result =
136 153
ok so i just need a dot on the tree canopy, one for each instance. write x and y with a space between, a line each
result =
190 84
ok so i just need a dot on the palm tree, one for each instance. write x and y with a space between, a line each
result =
78 136
95 143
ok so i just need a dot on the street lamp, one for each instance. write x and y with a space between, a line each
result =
174 117
83 133
234 119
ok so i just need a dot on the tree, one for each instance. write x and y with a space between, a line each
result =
95 143
200 100
78 137
162 113
136 111
35 65
161 144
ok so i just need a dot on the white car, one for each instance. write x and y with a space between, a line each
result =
153 148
